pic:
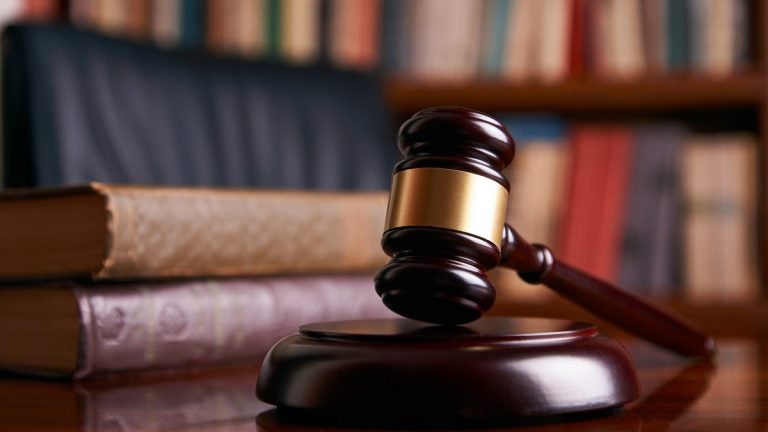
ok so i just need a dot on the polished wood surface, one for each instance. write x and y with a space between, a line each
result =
729 395
398 371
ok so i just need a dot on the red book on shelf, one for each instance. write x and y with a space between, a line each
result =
576 46
42 10
137 21
594 212
215 31
584 196
610 226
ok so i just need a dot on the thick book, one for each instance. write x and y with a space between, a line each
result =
105 231
76 330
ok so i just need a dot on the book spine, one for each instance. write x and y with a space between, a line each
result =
493 47
648 258
719 191
192 23
193 324
166 22
301 31
10 11
157 234
678 23
585 196
607 232
273 27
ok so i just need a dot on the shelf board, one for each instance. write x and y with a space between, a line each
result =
651 94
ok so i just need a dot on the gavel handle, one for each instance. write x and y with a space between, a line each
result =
536 264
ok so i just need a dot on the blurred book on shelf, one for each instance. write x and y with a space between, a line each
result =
720 194
656 207
593 213
651 246
515 40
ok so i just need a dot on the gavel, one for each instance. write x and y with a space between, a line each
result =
446 227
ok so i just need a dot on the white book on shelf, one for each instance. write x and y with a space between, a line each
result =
551 52
10 10
519 43
165 22
300 22
719 185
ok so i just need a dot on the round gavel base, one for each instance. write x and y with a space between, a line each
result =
402 371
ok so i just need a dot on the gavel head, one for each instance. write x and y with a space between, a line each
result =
446 216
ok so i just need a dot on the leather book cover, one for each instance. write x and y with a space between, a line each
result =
133 232
158 326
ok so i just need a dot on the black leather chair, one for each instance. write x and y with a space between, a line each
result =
81 107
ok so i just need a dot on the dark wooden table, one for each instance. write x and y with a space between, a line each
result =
731 395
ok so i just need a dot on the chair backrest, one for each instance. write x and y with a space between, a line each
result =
82 107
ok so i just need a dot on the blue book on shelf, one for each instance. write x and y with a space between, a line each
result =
192 23
497 13
534 126
678 25
393 41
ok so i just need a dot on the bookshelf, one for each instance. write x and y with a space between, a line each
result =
740 97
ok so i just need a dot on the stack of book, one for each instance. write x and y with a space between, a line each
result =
102 278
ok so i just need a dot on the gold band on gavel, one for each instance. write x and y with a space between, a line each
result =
446 198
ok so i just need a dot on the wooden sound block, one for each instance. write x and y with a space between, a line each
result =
404 371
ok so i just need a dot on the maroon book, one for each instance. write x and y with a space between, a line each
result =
68 329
